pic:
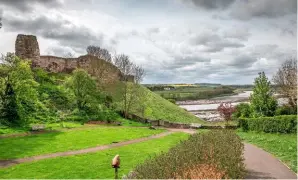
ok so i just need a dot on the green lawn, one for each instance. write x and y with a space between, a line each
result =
93 165
17 147
283 146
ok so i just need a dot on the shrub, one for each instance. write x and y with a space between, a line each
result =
226 110
285 110
207 155
276 124
242 110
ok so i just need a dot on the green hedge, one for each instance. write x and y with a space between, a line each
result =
276 124
221 149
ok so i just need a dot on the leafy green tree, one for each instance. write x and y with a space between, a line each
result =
19 97
262 101
84 88
243 110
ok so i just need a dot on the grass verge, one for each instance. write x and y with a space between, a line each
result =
18 147
283 146
92 165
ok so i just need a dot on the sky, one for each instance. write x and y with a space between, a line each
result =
175 41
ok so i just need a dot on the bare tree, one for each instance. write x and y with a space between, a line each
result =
286 80
101 53
132 75
0 22
69 55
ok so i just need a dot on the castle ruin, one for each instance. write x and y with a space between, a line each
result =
26 47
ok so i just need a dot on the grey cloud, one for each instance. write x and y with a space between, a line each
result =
28 5
245 10
241 34
212 4
180 62
214 42
242 61
66 33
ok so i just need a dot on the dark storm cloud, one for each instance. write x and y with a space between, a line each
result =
248 9
29 5
66 33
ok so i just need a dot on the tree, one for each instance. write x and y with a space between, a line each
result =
0 22
101 53
84 88
242 110
226 110
19 96
286 81
132 75
262 101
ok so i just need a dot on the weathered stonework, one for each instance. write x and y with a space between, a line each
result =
26 47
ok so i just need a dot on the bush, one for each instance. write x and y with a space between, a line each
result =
285 110
207 155
276 124
243 110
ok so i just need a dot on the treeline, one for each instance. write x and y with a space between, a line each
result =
160 88
33 95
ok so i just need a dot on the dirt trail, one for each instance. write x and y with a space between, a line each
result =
262 165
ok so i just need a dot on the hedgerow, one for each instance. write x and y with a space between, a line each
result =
214 154
276 124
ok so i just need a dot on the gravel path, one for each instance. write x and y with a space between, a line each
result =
262 165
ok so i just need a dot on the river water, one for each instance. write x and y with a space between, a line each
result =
206 109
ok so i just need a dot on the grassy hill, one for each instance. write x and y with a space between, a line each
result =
153 106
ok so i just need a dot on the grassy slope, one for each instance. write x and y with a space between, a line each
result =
93 165
283 146
18 147
164 109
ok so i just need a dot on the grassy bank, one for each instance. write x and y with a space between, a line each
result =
93 165
283 146
155 107
17 147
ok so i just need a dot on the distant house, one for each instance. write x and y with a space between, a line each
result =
169 88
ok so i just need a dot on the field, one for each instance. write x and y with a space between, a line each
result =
66 140
195 92
93 165
283 146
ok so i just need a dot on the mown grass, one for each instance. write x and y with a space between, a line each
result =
17 147
93 165
283 146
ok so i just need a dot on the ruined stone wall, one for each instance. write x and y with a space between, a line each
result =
26 47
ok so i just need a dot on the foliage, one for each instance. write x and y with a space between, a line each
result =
92 165
226 110
18 147
276 124
242 110
83 86
286 81
19 97
286 110
262 101
211 149
283 146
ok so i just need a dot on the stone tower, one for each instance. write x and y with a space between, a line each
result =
26 47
